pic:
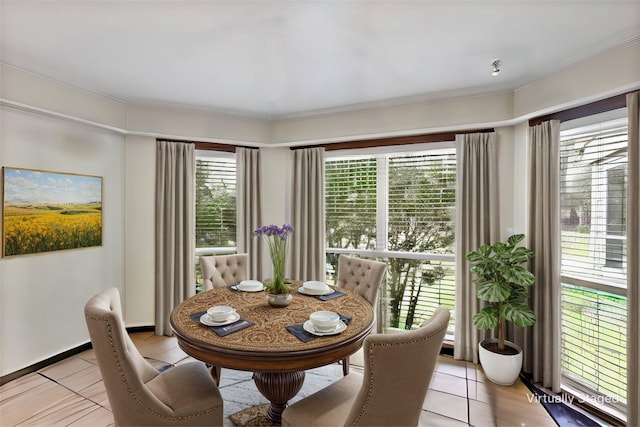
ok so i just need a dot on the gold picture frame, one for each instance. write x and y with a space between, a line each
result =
44 211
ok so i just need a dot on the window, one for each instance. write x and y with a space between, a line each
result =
350 202
593 160
215 204
398 206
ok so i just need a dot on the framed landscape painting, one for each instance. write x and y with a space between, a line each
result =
49 211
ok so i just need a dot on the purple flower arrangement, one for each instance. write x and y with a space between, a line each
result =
276 239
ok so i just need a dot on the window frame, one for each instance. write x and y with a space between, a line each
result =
615 283
210 250
382 153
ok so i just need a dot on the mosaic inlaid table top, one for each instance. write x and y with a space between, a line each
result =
268 341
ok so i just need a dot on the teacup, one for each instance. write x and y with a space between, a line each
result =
324 321
220 313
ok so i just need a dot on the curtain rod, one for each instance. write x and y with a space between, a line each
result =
211 146
396 140
607 104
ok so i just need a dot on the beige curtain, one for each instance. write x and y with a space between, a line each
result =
249 208
175 223
541 342
633 255
477 223
307 250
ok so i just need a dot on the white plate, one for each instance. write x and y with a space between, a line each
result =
205 319
314 292
250 286
308 326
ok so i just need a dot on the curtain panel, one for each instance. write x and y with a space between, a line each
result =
633 257
541 342
307 253
477 223
249 208
175 222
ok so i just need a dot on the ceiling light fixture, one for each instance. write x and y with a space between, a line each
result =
496 66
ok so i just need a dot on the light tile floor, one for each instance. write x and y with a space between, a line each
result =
71 392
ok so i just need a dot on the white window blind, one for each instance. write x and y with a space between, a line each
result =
593 186
411 195
421 201
593 342
398 207
350 202
215 200
593 202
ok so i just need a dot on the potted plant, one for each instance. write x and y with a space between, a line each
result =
504 284
278 291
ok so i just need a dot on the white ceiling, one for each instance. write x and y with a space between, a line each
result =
276 59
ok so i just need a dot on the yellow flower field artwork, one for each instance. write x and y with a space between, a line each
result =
50 211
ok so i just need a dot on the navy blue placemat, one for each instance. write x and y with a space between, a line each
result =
334 294
345 319
304 336
197 315
226 329
231 328
300 333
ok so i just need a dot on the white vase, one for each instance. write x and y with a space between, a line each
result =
501 369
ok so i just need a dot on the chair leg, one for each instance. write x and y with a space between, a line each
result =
345 366
216 371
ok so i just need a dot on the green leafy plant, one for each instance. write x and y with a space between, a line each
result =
504 284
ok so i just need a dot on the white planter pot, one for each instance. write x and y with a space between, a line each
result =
500 368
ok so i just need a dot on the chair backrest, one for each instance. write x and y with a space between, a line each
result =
361 275
124 371
223 270
397 371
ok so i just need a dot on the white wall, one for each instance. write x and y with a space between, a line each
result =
520 194
608 75
410 119
70 130
47 95
276 188
140 199
505 178
199 125
42 296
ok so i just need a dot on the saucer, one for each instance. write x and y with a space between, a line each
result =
250 286
308 326
314 292
206 320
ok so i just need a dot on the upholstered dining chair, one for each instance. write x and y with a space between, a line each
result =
390 391
223 270
364 277
139 394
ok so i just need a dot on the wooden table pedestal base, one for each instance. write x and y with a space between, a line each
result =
278 387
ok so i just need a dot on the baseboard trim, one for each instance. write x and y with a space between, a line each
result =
58 357
135 329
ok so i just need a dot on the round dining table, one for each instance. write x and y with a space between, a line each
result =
266 345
